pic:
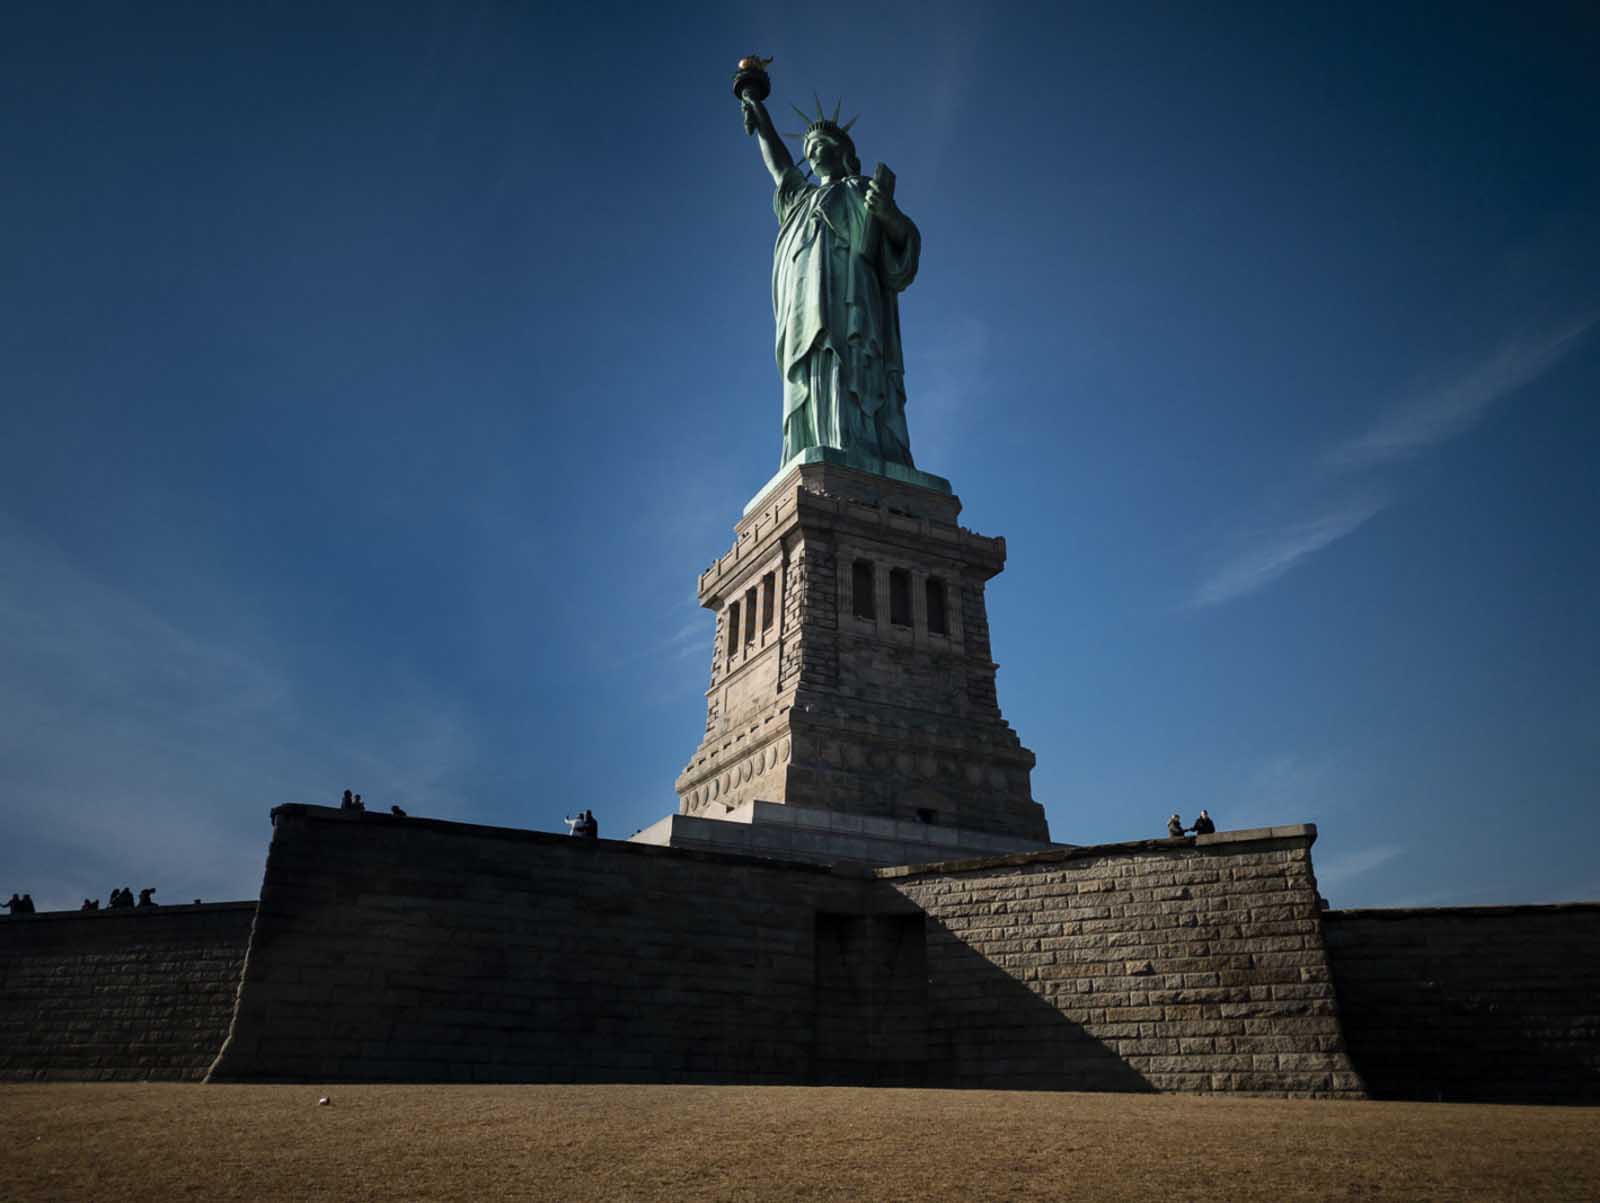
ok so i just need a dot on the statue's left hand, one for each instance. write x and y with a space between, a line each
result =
881 205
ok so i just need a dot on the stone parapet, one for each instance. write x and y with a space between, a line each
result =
144 994
1304 833
407 949
1472 1004
415 950
1191 964
392 949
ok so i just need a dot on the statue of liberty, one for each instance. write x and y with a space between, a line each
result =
844 254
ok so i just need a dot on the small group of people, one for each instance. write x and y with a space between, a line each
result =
122 900
1202 825
353 802
585 824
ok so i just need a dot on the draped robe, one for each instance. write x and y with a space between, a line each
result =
838 321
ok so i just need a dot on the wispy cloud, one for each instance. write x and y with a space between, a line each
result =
948 69
1270 554
657 641
1429 417
1458 404
1353 864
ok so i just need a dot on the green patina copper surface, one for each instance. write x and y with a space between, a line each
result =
844 253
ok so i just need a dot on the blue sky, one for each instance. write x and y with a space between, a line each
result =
377 379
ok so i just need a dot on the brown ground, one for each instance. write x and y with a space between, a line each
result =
128 1142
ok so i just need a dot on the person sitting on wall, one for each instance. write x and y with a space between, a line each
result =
574 823
27 904
14 904
397 812
1174 826
588 826
145 899
1203 825
122 899
348 802
90 904
359 805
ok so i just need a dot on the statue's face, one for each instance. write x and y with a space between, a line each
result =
826 155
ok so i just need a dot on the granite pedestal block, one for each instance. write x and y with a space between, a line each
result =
828 837
852 670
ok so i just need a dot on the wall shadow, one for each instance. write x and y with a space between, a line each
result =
870 989
901 1000
1494 1005
988 1030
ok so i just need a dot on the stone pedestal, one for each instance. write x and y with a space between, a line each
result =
852 671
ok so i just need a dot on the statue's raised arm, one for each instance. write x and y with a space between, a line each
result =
774 153
752 85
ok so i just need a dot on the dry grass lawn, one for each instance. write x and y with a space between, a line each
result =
128 1142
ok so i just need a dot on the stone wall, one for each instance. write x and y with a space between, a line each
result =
1482 1004
413 950
416 950
119 995
408 949
872 999
1185 965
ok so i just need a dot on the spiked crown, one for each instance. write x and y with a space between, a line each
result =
830 128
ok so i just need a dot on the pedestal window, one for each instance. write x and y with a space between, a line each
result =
938 623
900 597
863 590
